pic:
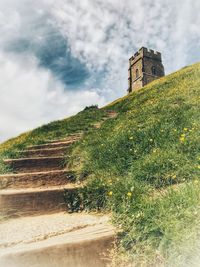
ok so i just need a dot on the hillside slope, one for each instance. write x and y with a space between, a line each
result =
144 165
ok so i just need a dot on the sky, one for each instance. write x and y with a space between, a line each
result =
56 57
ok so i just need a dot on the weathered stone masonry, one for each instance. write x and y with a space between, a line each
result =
144 67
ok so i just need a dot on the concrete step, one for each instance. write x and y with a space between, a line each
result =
37 179
80 240
27 165
52 145
46 152
34 201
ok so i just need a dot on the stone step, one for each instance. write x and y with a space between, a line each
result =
61 140
85 245
46 152
37 179
68 138
52 145
97 125
112 114
34 201
27 165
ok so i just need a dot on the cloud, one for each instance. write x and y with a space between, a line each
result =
65 54
31 96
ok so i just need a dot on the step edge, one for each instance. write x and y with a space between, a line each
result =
9 175
9 192
40 149
34 158
107 232
49 144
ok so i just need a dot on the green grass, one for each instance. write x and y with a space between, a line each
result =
151 147
143 165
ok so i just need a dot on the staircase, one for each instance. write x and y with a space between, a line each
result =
39 232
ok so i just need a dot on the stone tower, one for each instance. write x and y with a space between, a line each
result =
144 67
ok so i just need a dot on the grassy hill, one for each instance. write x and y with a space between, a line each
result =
144 166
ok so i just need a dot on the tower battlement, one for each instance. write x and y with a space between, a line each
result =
144 66
145 52
150 53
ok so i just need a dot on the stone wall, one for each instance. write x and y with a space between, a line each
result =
144 67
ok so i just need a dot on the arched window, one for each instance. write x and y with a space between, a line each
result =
153 70
137 73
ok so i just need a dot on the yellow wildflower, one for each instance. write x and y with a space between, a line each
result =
196 181
182 139
174 177
198 166
131 138
185 129
110 193
129 194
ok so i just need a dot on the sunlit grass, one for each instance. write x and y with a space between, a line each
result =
152 146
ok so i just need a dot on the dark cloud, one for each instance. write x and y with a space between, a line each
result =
53 53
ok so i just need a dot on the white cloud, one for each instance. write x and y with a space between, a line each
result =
102 34
31 96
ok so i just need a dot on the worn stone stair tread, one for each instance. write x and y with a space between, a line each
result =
75 248
28 159
75 236
38 228
42 189
61 142
51 145
30 173
34 201
69 139
45 152
46 149
111 113
35 164
36 179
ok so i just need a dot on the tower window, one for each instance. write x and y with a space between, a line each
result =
153 70
137 73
